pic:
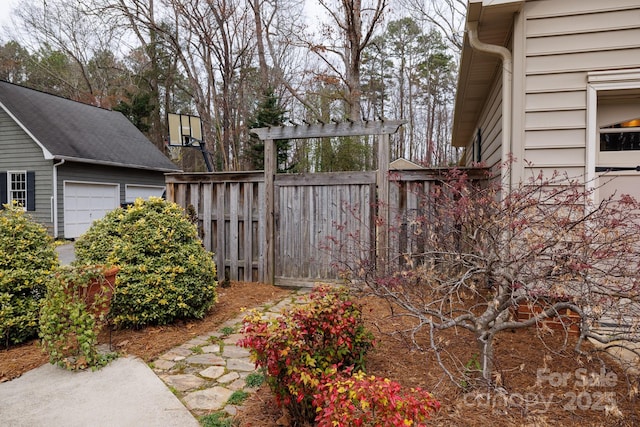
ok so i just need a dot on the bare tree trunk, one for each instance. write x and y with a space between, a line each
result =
262 59
486 350
357 36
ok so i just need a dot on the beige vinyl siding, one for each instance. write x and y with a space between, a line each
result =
584 42
555 119
564 40
19 152
561 138
561 82
570 100
490 125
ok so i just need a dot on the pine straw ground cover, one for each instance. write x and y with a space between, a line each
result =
554 402
519 356
150 342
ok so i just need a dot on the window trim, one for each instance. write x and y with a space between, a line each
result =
596 82
11 191
477 146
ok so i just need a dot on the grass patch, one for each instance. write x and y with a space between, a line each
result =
197 349
179 367
228 330
254 380
217 419
237 397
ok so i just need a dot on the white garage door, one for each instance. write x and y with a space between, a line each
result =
85 203
132 192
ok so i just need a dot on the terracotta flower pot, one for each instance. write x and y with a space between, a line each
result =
101 286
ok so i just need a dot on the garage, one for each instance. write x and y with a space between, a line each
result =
133 192
86 202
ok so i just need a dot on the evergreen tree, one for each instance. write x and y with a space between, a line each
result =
269 112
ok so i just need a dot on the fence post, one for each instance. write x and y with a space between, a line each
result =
269 180
382 225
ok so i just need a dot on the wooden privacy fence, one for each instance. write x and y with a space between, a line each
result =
230 211
320 220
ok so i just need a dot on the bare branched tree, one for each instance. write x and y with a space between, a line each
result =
479 256
64 26
354 23
446 15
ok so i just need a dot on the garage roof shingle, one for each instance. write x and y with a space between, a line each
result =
75 131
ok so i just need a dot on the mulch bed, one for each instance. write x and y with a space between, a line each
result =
519 355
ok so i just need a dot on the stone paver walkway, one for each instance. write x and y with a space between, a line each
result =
205 371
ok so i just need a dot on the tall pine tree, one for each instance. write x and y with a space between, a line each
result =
269 112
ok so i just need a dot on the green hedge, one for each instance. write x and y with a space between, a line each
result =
27 258
165 272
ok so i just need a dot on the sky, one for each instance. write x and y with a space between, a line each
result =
5 9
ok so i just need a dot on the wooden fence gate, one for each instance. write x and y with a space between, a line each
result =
319 219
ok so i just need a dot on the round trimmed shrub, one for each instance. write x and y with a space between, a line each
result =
27 258
165 272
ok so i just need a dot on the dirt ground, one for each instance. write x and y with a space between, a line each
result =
531 396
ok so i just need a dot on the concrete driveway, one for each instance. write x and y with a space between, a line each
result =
66 253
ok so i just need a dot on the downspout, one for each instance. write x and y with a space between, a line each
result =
54 198
507 91
507 145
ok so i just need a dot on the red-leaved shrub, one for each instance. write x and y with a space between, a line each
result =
369 401
300 347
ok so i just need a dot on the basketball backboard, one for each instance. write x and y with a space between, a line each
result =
184 130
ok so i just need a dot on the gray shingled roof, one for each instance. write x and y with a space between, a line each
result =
75 131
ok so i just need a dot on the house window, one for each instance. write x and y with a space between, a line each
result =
622 136
477 147
17 190
613 131
19 187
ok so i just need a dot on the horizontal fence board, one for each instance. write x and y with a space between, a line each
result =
329 178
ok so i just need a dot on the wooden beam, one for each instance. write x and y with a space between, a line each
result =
201 177
383 200
386 127
269 177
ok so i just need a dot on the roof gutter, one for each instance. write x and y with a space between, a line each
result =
507 91
117 164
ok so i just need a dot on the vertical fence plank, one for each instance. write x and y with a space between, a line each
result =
262 233
221 230
234 198
247 225
207 209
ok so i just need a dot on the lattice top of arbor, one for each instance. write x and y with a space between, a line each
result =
329 130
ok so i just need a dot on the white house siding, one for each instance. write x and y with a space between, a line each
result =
19 152
564 40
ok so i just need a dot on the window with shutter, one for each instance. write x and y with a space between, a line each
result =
19 187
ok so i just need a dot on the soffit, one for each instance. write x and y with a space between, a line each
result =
478 70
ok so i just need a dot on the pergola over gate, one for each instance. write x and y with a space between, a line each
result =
380 129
